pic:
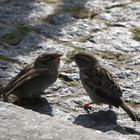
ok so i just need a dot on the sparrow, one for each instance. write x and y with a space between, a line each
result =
100 84
33 79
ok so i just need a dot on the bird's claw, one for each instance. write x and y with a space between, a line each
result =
86 106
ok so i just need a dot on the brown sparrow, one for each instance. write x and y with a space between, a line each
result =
32 80
100 84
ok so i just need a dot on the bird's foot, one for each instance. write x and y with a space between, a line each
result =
86 106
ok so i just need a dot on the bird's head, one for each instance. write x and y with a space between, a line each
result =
84 60
48 59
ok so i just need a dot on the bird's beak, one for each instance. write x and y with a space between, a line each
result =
60 55
62 58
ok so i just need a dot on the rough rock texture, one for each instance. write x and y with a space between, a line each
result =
18 123
105 28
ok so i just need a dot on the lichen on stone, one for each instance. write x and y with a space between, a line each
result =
117 5
72 53
113 55
80 12
13 38
136 32
49 1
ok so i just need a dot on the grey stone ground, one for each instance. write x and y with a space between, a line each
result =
20 124
104 27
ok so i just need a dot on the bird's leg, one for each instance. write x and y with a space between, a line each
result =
87 106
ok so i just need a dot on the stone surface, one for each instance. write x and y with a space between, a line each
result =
31 27
18 123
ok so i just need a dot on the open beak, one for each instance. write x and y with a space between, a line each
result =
60 54
59 57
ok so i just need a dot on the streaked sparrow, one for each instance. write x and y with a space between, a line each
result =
100 84
32 80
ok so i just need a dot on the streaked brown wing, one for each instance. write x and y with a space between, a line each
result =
103 82
24 78
14 80
108 81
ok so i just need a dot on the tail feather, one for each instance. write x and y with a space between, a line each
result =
1 89
130 112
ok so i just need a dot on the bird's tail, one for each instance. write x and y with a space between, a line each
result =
130 112
1 89
1 92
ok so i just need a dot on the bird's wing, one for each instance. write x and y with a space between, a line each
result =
14 79
22 78
103 82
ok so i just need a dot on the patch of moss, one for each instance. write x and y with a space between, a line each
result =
115 25
136 32
103 54
73 83
80 12
136 0
11 38
113 55
16 36
72 53
69 80
7 59
23 28
117 5
65 78
49 1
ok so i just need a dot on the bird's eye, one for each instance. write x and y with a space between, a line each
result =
50 58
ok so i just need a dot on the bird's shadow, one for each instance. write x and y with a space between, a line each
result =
39 104
104 121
